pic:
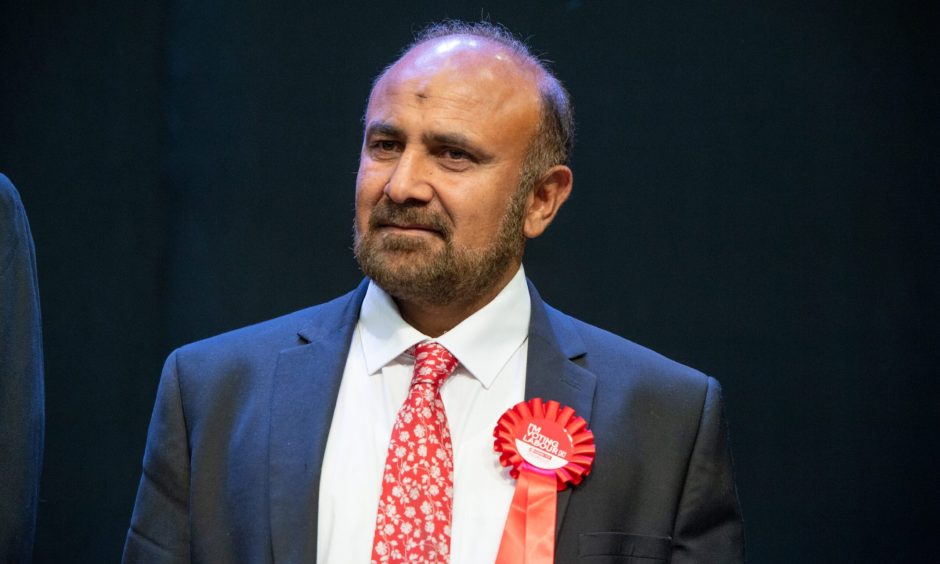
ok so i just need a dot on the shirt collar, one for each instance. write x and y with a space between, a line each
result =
483 342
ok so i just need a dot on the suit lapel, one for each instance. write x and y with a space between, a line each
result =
306 383
552 374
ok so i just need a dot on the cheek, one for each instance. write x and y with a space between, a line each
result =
366 197
370 181
478 219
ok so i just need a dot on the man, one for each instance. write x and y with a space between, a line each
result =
21 383
279 442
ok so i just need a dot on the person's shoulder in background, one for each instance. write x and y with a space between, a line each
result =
21 380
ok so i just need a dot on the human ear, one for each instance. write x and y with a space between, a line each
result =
546 199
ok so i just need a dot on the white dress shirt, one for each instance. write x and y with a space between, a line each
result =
491 347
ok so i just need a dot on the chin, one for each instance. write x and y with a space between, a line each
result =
398 243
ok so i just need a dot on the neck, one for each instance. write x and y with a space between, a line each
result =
436 319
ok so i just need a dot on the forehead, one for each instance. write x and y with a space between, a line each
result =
459 78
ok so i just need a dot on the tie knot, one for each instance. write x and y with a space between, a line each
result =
433 364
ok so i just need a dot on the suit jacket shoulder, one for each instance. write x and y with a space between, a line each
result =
607 348
266 339
214 487
662 485
21 380
622 368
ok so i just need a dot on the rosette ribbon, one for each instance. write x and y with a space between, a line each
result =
546 447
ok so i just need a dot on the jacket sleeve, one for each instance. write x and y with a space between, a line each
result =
709 526
21 382
159 530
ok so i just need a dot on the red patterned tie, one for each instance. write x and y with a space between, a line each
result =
413 522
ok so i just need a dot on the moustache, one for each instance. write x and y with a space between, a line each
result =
387 212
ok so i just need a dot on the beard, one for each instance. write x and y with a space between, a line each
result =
412 269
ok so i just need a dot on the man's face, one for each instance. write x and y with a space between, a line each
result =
438 209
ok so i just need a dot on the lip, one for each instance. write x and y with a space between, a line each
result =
409 228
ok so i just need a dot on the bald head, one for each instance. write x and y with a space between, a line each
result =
462 71
480 58
442 50
553 139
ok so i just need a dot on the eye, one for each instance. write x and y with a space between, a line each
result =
456 159
384 148
455 155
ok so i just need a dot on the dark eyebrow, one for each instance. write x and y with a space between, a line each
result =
452 139
457 140
383 128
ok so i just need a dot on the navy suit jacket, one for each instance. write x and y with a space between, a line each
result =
21 384
232 465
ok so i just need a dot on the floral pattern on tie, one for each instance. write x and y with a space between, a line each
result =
413 520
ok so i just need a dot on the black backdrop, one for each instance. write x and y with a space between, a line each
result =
756 195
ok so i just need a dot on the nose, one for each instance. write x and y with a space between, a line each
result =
411 179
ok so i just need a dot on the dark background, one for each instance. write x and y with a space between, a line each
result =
756 195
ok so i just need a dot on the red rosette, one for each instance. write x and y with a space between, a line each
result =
545 438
